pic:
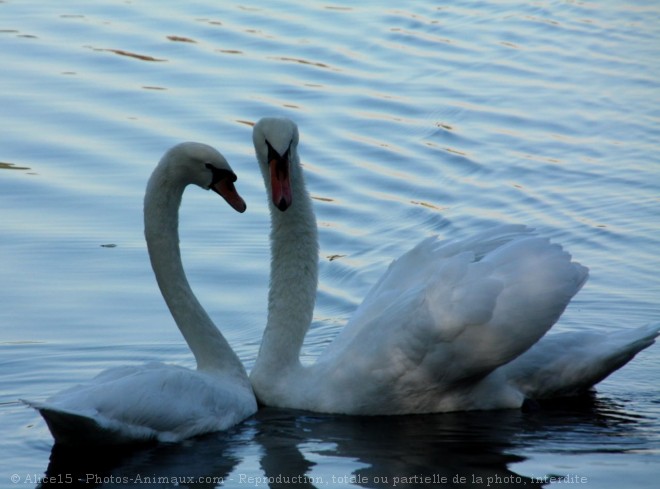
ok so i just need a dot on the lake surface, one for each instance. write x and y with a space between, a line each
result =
416 118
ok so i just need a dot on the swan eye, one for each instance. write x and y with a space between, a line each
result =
220 174
272 154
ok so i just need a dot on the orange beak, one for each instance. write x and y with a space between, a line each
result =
225 188
280 179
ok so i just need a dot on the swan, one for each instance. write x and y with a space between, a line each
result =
451 325
156 401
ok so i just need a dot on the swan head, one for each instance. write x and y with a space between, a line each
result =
275 142
205 167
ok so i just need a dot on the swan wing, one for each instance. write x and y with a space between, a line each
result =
145 403
419 265
448 313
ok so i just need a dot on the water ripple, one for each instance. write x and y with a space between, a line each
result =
415 119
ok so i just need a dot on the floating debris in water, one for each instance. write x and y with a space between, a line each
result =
11 166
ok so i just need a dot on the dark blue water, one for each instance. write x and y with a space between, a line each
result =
415 119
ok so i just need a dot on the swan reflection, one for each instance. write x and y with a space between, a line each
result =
289 448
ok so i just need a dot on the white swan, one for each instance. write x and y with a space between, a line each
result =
157 401
450 326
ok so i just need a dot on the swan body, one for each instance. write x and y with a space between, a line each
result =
158 401
451 325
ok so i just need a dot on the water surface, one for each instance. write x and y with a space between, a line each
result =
415 119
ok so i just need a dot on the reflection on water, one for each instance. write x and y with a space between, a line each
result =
301 449
206 462
403 451
121 52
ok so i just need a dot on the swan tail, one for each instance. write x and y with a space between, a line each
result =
72 428
568 364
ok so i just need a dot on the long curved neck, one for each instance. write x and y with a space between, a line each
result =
293 278
161 209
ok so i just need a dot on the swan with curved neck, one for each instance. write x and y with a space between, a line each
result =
453 325
158 401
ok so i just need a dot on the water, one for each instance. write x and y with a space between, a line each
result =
415 119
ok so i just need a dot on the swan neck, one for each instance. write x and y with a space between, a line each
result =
161 209
293 278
